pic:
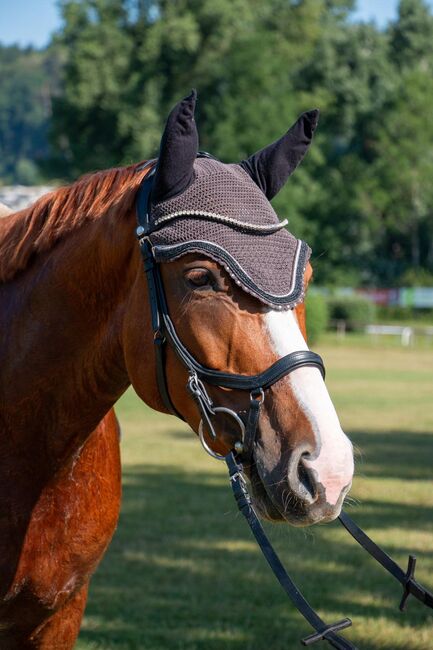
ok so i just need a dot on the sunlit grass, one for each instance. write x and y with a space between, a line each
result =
183 572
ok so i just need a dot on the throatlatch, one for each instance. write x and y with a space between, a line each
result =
198 375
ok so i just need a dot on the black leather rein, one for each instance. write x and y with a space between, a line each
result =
164 332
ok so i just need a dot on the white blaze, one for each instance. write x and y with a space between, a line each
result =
333 465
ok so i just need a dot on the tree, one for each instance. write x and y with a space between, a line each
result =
412 35
126 66
88 128
398 188
27 80
404 169
352 77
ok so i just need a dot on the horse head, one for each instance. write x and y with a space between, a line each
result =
234 281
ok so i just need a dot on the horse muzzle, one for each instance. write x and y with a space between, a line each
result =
294 491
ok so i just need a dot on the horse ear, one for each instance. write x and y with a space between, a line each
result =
271 167
177 153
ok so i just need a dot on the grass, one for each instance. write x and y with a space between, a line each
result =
183 572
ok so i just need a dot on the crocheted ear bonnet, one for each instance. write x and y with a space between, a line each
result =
201 205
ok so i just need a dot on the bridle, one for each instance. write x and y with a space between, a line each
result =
164 332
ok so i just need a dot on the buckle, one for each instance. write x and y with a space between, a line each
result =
321 636
257 395
159 338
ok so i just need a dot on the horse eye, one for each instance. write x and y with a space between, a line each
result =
199 277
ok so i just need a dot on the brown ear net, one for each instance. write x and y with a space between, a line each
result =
201 205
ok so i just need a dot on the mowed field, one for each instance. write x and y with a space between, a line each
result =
183 572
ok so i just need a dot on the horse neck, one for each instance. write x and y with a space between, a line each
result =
64 318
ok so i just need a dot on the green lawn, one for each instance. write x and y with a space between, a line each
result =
183 572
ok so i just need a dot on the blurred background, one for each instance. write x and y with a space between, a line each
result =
87 84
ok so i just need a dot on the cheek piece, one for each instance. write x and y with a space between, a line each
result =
246 428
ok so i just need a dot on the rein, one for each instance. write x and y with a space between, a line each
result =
164 332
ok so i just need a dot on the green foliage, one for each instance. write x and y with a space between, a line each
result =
27 172
394 313
356 311
403 166
363 198
411 36
124 70
404 315
27 81
317 316
416 277
373 210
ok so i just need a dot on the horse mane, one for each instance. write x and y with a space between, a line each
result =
37 228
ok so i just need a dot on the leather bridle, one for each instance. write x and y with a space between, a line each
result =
164 333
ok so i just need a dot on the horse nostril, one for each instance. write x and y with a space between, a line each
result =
301 480
306 479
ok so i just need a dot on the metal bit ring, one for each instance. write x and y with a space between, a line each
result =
236 418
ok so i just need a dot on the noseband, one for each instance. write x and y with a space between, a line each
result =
242 450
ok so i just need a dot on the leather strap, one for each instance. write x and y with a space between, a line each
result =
251 427
159 339
143 198
407 579
323 631
267 378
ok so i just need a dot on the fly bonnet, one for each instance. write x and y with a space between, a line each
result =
201 205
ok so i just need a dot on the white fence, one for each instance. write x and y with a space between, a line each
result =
406 333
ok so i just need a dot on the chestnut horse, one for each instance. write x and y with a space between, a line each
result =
76 332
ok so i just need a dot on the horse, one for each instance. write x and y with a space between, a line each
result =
76 327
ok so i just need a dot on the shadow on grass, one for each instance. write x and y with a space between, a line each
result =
397 454
183 572
394 454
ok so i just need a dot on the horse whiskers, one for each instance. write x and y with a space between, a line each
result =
358 452
288 499
351 501
285 497
279 483
261 504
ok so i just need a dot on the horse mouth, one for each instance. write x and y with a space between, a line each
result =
288 508
261 500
